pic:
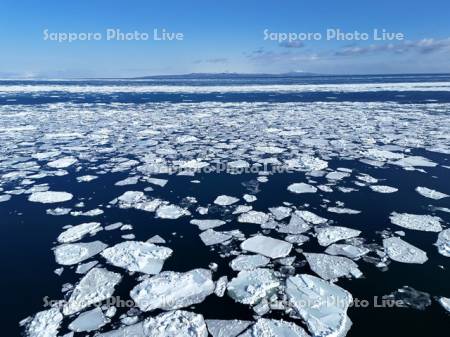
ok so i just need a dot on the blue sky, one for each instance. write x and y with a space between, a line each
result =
221 36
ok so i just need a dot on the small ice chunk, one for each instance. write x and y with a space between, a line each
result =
75 233
62 162
336 175
298 239
276 328
251 286
97 285
321 304
177 323
445 303
156 239
85 267
350 251
342 210
383 189
45 323
5 197
280 212
248 262
254 217
127 181
225 200
138 256
301 188
211 237
443 242
242 209
249 198
171 290
73 253
311 217
89 321
171 212
331 267
204 224
429 193
419 222
226 328
267 246
157 181
221 286
331 234
49 197
401 251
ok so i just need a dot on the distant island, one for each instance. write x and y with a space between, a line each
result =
227 75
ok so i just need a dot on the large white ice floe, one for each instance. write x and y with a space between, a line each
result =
414 161
97 285
419 222
89 321
331 267
301 188
429 193
172 290
383 189
45 323
443 242
49 197
254 217
401 251
350 251
267 246
171 212
73 253
331 234
311 217
62 162
211 237
204 224
137 256
321 304
178 323
225 200
251 286
77 232
445 303
274 328
249 262
226 328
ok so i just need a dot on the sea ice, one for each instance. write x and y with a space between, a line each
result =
204 224
254 217
45 323
311 217
267 246
251 286
248 262
331 234
321 304
172 290
171 212
73 253
274 328
445 303
331 267
49 197
426 223
350 251
383 189
225 200
226 328
401 251
97 285
443 242
177 323
429 193
211 237
301 188
62 162
77 232
137 256
89 321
